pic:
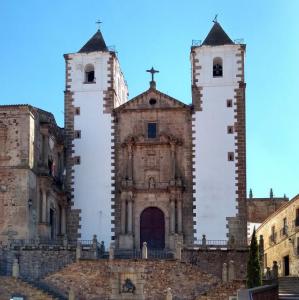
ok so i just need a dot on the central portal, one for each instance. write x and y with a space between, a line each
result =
152 228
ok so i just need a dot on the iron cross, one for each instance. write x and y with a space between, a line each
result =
152 71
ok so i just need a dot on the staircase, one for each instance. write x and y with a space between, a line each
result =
92 279
288 288
11 286
223 291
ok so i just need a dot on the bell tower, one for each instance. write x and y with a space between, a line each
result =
218 96
95 86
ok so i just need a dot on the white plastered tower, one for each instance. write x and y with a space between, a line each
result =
94 86
218 92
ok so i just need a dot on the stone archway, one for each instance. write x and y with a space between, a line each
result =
152 228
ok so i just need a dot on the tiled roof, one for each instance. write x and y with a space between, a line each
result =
217 37
96 43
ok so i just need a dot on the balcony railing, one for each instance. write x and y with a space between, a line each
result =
284 231
272 238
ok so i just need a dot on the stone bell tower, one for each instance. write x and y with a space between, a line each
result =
218 96
95 85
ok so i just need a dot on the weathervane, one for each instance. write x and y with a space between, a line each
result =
98 22
215 19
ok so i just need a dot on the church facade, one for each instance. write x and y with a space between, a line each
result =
154 169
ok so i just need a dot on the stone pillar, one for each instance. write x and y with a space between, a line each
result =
111 252
44 208
130 216
72 295
15 268
204 240
224 272
130 161
178 251
168 294
144 250
78 251
95 245
63 221
231 270
45 149
179 206
172 150
172 216
123 216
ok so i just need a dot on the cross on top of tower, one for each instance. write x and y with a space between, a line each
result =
152 82
98 22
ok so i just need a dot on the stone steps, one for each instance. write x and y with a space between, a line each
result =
289 286
10 286
223 291
92 279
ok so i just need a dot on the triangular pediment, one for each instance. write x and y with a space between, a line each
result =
150 99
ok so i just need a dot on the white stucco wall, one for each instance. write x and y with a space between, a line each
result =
92 177
215 183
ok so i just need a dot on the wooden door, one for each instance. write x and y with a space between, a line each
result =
152 228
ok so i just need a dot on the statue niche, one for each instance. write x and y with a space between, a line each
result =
128 286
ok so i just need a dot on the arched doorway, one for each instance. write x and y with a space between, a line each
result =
152 228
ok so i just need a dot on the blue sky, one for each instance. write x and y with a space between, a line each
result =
36 33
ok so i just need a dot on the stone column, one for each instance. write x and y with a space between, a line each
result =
78 251
15 268
130 161
44 208
45 149
224 272
172 216
130 216
63 221
111 251
179 207
123 216
231 270
172 155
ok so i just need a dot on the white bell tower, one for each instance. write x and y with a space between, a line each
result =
218 96
94 86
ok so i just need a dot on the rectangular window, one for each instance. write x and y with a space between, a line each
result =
151 130
230 156
77 134
230 129
297 217
77 111
229 103
77 160
284 227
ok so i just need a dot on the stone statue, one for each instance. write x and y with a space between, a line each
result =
128 286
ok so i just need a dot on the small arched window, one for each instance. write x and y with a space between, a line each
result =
217 67
89 74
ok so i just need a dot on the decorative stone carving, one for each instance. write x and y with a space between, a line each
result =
128 286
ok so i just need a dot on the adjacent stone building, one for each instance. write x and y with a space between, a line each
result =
33 204
280 232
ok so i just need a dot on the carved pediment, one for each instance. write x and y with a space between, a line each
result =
153 99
